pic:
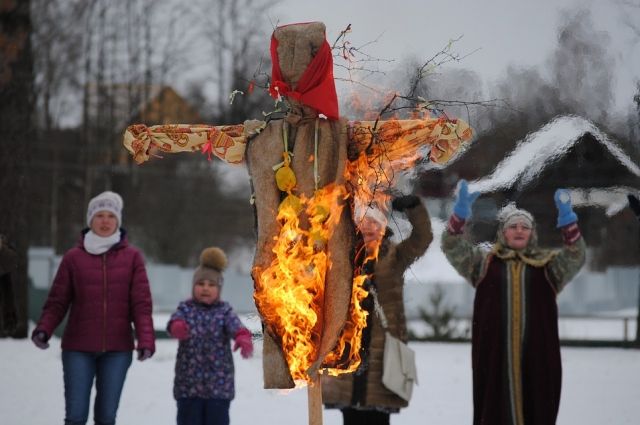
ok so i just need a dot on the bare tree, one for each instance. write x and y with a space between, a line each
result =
57 52
97 62
234 33
582 66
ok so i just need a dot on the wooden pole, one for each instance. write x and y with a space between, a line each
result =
314 394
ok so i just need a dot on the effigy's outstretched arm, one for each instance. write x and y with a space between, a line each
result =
397 140
379 150
227 142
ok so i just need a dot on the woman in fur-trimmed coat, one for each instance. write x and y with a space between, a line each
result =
517 371
361 396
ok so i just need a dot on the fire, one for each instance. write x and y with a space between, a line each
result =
393 147
384 152
290 292
345 358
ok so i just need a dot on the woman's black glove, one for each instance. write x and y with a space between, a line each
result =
405 202
40 339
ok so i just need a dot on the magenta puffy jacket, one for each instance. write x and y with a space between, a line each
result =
105 294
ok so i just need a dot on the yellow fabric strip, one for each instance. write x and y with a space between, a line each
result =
517 268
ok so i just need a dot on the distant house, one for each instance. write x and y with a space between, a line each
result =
111 107
164 106
569 152
122 104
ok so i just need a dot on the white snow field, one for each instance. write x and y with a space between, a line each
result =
600 386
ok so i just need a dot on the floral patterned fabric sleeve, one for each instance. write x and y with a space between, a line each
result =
226 142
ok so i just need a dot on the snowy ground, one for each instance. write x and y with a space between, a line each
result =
600 387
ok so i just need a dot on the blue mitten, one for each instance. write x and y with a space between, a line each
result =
464 200
566 215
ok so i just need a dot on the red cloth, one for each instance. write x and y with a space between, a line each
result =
316 87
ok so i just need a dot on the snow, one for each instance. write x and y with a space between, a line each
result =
433 266
541 148
599 387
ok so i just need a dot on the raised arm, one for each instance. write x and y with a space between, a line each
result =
415 245
564 266
464 256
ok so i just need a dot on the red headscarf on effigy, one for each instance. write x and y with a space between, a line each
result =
316 87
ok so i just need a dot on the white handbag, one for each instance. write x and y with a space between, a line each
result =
399 372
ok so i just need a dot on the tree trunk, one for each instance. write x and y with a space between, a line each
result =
16 105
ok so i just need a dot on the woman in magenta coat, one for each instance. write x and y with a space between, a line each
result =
103 284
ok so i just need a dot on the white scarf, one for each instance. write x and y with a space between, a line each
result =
97 245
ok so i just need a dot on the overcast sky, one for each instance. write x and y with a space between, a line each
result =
506 32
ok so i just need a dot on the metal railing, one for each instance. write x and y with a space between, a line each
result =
578 329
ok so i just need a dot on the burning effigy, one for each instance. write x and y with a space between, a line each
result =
315 176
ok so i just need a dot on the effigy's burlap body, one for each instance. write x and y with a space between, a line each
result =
297 44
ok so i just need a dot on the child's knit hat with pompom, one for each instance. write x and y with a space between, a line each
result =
212 262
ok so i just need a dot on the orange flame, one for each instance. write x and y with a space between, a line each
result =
290 292
392 147
345 358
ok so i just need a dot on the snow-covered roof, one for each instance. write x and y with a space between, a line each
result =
542 148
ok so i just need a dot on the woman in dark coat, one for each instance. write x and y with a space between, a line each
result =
516 364
103 284
8 310
361 396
